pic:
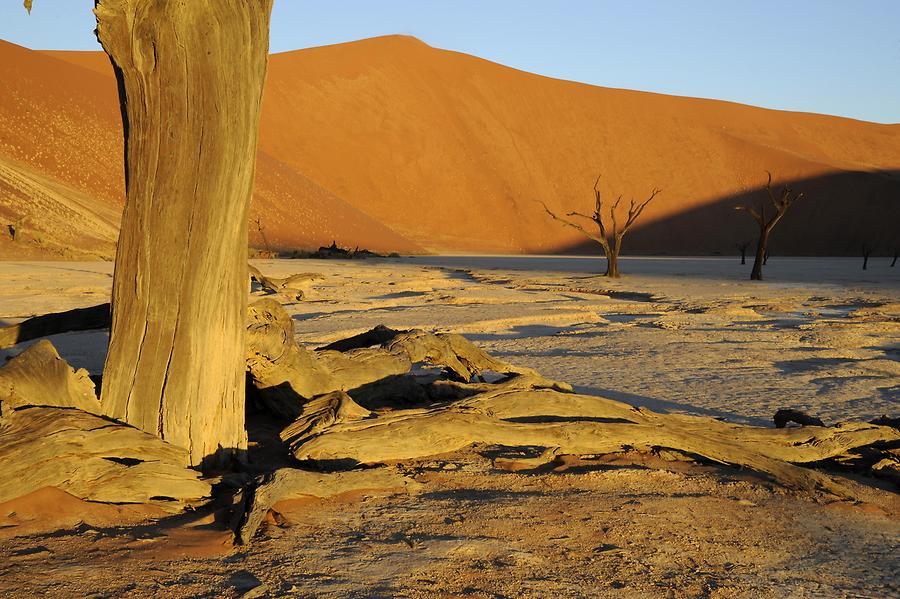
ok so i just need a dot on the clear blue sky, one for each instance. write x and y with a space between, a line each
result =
830 56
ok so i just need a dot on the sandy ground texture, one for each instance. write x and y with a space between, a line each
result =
688 335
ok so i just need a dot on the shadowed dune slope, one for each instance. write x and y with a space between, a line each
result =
391 144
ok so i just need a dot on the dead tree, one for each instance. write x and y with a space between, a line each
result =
743 249
609 238
262 234
894 261
866 252
15 228
190 78
767 221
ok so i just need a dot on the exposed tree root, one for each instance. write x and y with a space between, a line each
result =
50 437
287 375
349 405
577 425
522 408
38 376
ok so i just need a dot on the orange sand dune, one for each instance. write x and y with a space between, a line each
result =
391 144
59 115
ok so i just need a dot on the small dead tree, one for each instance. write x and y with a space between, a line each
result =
767 221
743 249
894 261
15 228
609 238
262 234
866 252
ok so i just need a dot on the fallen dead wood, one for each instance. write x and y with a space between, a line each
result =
523 408
286 375
81 319
526 410
320 391
289 483
784 416
298 283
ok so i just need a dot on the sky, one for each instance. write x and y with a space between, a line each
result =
837 57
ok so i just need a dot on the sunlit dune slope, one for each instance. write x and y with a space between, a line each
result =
60 118
393 145
452 150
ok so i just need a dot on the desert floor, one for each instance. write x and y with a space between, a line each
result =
674 334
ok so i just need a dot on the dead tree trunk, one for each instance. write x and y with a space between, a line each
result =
743 248
866 252
894 261
190 80
609 238
761 256
767 223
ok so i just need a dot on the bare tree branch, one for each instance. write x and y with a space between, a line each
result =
766 224
601 240
609 240
635 213
593 219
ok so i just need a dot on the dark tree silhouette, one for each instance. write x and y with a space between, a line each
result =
262 234
609 238
743 249
866 252
767 221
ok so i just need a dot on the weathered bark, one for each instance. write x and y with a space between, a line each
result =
93 459
49 438
612 265
298 283
582 425
190 77
39 377
80 319
288 483
760 258
287 375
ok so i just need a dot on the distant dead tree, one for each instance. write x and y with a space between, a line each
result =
866 252
15 228
262 234
610 239
743 249
768 221
894 261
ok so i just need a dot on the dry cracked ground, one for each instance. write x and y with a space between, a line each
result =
674 335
